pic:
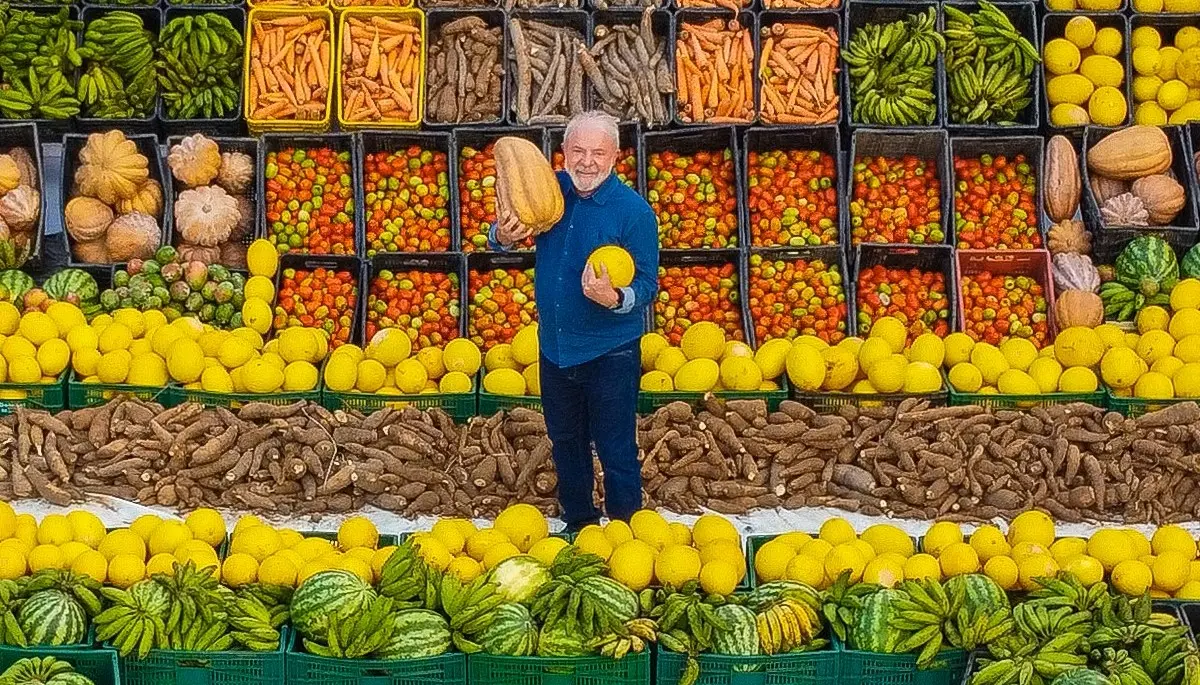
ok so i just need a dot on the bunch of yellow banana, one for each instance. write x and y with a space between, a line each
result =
633 637
786 625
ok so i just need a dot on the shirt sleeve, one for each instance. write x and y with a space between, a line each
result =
628 300
641 239
493 243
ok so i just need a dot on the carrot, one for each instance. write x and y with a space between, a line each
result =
714 72
284 52
801 61
380 80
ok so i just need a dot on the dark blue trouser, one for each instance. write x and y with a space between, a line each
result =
595 402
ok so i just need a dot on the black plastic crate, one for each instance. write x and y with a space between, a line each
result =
1106 245
631 138
439 16
939 258
831 255
479 138
484 262
712 139
1184 224
438 262
576 19
664 28
233 123
147 144
247 146
152 19
1024 18
25 136
705 257
390 141
749 22
860 14
52 130
1033 147
341 142
350 263
825 139
927 144
1053 26
820 18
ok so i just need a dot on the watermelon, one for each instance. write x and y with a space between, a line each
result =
619 601
152 597
518 578
560 640
1082 676
72 282
1190 266
42 671
768 593
418 633
982 593
52 617
871 630
16 281
1148 266
512 632
324 593
741 636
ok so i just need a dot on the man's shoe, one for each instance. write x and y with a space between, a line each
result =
573 528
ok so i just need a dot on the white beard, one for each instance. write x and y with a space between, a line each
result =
587 187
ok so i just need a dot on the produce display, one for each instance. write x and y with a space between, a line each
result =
462 90
49 670
628 71
477 195
424 304
47 91
115 204
790 96
693 293
20 206
1134 186
988 67
309 201
513 368
790 298
261 554
119 79
694 197
382 77
896 200
274 94
407 194
1085 75
176 287
1145 273
885 362
916 298
200 78
792 198
706 361
214 213
714 82
998 306
322 298
995 203
499 304
546 78
392 365
892 71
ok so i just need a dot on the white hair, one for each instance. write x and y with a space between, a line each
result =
594 119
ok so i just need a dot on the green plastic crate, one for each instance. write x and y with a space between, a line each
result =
307 669
958 399
233 400
490 404
51 396
1134 407
80 394
486 669
868 668
171 667
98 664
460 406
830 402
649 402
801 668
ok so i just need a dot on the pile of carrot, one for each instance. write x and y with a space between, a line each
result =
801 4
289 67
713 78
382 78
735 5
798 72
286 3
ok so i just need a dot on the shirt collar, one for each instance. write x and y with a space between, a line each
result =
602 193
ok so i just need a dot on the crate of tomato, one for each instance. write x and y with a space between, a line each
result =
692 185
476 169
997 196
311 193
900 188
500 303
408 193
629 156
793 188
792 292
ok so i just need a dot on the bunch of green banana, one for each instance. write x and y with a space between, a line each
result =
276 598
252 625
43 670
135 620
200 66
1121 303
1066 590
690 613
1014 662
408 580
10 629
988 66
970 632
357 636
1040 623
923 608
195 597
892 70
118 81
630 638
37 58
841 601
1164 657
1120 668
470 608
565 598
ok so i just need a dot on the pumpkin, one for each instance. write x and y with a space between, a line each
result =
10 173
1125 210
526 184
20 208
1105 189
1075 272
1131 153
1069 236
1060 193
195 160
91 251
1078 308
206 215
237 171
133 236
148 200
28 167
190 252
111 169
1162 196
87 218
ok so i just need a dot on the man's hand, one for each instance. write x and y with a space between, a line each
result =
509 229
599 289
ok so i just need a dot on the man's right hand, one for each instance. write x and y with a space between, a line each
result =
509 229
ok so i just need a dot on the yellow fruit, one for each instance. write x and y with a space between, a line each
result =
433 552
1172 95
676 565
591 540
70 551
680 533
547 549
122 541
1172 538
508 382
54 529
125 569
1035 566
197 551
1087 569
771 561
1032 526
1171 570
1014 382
796 540
650 527
837 530
805 367
865 551
959 558
1066 548
711 527
206 525
632 564
1189 592
990 361
1121 367
1045 372
617 532
703 340
1003 571
313 548
523 524
888 374
892 331
940 536
742 374
259 542
921 566
805 569
921 378
46 556
1081 31
965 377
1107 106
1078 379
1019 353
842 558
357 531
1145 89
1132 577
356 566
144 525
89 563
958 348
1108 42
729 551
817 549
1110 547
277 569
1102 70
1066 114
13 564
989 542
167 537
885 538
465 569
771 357
650 346
1069 89
1027 548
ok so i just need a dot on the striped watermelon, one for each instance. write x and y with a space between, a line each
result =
328 592
519 578
741 637
418 633
152 597
768 593
560 640
871 630
512 632
618 600
52 617
1082 676
982 593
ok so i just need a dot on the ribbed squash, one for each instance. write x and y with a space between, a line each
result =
1131 153
1078 308
526 184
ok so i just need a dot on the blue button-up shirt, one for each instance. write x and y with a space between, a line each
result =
573 329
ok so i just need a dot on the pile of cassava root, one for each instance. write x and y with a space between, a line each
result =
961 463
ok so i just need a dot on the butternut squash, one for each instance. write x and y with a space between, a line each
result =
1062 183
1131 153
526 184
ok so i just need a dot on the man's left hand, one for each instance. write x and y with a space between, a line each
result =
599 289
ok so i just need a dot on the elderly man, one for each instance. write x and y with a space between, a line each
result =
588 330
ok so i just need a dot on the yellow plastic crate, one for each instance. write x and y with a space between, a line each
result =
388 13
339 5
288 4
259 126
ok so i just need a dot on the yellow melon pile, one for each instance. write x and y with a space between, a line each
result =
457 546
387 366
279 556
882 555
35 347
706 361
513 368
879 364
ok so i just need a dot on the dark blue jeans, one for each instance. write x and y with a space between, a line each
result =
595 402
